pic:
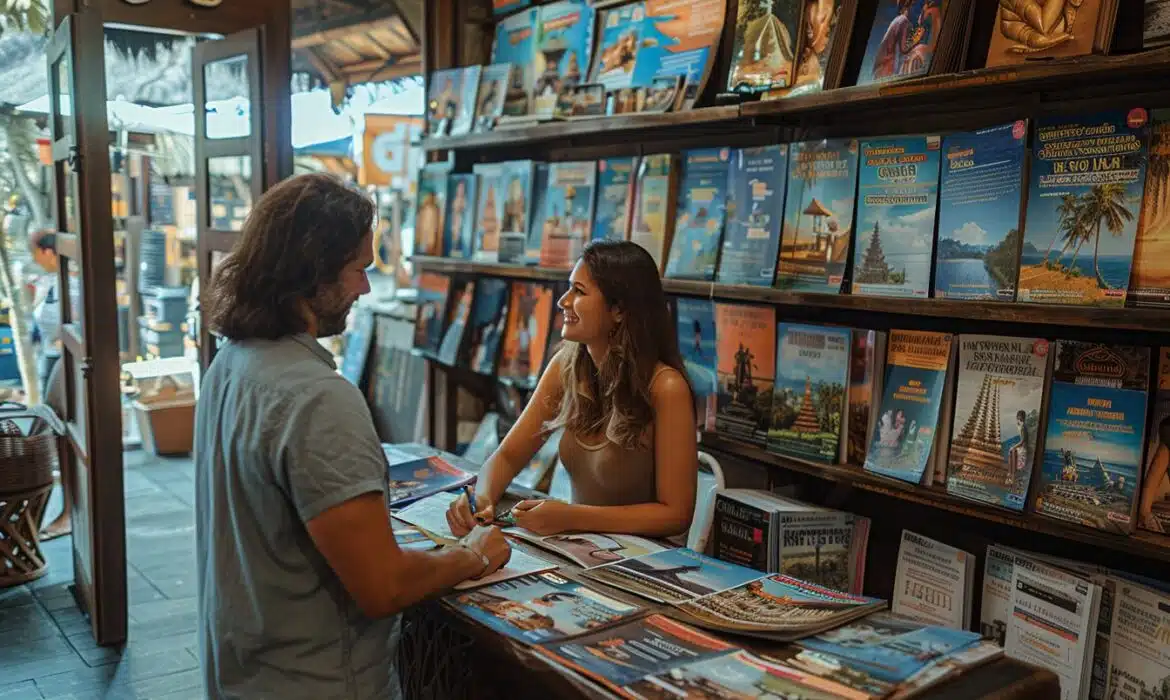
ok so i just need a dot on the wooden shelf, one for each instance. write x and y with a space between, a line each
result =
1099 75
1117 72
606 127
1147 320
1140 543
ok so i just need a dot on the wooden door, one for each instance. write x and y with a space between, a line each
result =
229 166
89 318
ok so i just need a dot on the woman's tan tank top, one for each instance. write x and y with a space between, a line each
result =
605 474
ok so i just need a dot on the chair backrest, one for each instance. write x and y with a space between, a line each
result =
710 483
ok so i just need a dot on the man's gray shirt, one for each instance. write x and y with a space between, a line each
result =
280 438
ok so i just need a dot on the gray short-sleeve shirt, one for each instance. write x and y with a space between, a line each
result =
280 437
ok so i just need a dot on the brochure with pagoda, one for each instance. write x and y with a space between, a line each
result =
672 575
485 329
515 202
563 51
566 219
526 339
1154 507
809 403
756 184
589 549
1084 200
541 608
1149 283
412 477
896 205
433 289
615 192
766 45
908 415
696 343
700 214
653 216
489 210
745 361
1095 435
818 215
999 400
459 223
515 43
621 655
455 325
430 208
980 213
777 607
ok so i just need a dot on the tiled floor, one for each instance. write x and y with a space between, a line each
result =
46 648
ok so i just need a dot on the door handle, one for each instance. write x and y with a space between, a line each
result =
86 367
74 159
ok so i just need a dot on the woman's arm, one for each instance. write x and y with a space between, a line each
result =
513 454
676 469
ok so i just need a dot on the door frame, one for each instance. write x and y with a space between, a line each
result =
90 360
100 542
212 240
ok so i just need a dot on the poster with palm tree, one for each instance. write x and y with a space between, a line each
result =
1084 198
1150 281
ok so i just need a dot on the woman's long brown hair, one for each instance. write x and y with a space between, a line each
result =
614 399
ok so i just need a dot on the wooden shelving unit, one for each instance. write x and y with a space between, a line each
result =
1039 83
1140 543
1050 317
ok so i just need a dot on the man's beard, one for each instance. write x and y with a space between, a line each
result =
331 307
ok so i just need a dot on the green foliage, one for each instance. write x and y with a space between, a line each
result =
1001 261
24 15
898 277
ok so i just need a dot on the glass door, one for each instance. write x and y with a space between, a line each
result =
89 318
229 141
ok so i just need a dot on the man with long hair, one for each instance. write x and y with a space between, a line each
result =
300 580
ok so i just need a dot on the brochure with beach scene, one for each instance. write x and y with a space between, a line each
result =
672 575
1088 178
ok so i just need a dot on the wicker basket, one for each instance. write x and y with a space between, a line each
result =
27 461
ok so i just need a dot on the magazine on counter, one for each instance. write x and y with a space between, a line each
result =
672 575
775 607
589 549
541 607
413 476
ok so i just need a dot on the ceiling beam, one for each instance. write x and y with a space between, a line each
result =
321 33
411 12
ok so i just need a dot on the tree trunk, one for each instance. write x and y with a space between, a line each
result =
17 314
1096 267
27 189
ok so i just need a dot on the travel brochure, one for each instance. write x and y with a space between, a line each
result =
412 478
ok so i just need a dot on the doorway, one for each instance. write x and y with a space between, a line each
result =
256 33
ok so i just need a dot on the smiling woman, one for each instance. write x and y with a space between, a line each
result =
618 389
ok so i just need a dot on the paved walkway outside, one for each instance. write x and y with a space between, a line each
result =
46 648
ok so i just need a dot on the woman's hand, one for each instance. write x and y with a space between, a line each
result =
543 517
460 518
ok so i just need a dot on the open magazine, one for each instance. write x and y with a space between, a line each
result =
775 607
672 575
589 549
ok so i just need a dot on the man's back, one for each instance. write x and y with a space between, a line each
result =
281 438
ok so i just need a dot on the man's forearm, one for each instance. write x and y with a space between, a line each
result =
420 575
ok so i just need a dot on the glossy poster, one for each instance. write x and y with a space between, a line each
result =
562 51
615 191
515 43
700 214
756 185
902 41
641 41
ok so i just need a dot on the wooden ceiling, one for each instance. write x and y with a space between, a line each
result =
355 41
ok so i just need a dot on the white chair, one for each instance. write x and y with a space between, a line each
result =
710 483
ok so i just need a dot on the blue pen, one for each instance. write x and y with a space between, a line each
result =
470 500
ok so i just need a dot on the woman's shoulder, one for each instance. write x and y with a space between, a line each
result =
668 382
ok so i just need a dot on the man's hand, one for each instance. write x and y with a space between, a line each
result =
489 541
460 518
